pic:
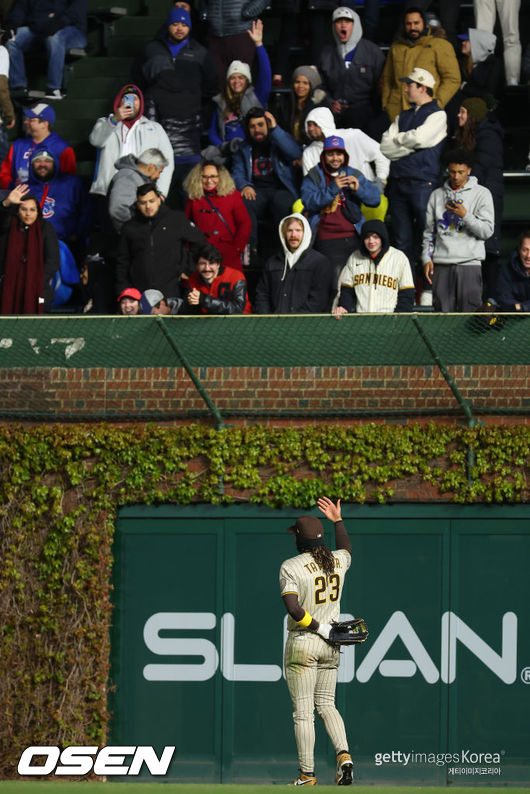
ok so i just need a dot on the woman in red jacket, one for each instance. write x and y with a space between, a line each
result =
216 207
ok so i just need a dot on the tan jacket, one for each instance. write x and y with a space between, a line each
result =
428 52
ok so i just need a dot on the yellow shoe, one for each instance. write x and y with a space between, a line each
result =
304 780
344 770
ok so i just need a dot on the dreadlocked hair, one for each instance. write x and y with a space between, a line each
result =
324 559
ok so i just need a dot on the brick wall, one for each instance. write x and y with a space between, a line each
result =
306 393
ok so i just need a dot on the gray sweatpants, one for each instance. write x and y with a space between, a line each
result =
456 288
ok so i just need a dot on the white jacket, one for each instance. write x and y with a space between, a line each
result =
362 149
145 135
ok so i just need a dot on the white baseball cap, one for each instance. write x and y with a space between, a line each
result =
420 76
343 12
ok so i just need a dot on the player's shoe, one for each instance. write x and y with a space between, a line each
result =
304 780
344 770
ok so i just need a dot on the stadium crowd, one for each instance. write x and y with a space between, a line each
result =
361 182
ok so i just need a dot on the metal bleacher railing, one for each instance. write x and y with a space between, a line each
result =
463 356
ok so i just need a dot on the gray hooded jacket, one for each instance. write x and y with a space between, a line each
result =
450 240
355 80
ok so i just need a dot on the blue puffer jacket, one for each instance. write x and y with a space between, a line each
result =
284 149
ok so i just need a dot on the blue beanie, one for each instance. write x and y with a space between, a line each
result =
178 15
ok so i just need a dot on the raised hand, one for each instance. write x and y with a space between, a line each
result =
16 195
256 32
329 509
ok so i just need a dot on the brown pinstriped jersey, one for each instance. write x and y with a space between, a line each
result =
318 593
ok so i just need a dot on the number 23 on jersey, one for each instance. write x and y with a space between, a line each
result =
327 589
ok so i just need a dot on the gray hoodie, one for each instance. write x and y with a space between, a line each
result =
122 190
450 240
356 36
482 44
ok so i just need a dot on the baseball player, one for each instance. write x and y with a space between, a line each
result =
311 587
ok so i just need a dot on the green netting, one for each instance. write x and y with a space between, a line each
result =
283 341
409 364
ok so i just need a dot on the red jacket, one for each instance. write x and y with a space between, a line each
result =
227 294
236 216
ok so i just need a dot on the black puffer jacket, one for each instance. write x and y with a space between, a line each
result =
178 90
152 252
228 17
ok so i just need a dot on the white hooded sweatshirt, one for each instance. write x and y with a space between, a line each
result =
362 149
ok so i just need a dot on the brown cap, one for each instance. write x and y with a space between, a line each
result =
307 527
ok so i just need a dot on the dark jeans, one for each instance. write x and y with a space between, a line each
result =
270 203
225 49
407 201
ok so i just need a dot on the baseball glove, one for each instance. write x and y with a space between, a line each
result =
348 632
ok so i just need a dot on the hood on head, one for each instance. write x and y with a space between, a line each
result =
130 88
293 257
482 44
355 37
324 118
374 227
333 143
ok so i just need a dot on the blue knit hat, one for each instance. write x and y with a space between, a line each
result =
178 15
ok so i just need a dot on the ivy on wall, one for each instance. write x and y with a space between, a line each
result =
60 489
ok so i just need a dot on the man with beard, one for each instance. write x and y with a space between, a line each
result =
296 281
62 197
364 152
181 78
263 169
332 194
416 46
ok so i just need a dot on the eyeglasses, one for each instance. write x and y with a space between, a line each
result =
210 178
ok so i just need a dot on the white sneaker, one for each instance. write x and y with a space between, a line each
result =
55 94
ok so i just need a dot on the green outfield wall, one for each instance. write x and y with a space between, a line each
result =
439 694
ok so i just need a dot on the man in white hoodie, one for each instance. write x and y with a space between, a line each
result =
350 71
460 218
297 280
364 153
